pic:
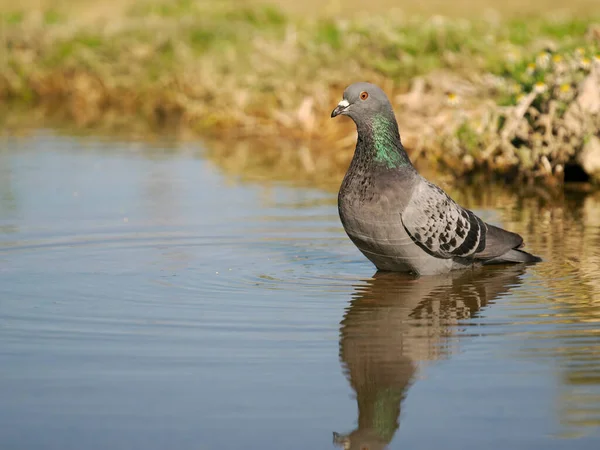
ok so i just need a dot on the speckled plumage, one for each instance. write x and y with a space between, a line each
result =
399 220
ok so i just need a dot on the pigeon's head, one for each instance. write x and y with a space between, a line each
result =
362 101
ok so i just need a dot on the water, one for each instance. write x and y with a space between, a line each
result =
149 301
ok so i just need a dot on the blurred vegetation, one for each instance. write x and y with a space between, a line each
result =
515 96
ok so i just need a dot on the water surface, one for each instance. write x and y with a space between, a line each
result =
149 301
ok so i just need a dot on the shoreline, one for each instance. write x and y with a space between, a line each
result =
471 97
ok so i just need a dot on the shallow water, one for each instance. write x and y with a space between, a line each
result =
149 301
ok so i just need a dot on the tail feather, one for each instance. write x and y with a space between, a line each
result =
514 256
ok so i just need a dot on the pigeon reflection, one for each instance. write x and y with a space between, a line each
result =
395 322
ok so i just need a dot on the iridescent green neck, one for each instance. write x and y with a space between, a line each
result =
386 411
386 139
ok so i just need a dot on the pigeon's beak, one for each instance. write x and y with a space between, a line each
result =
340 108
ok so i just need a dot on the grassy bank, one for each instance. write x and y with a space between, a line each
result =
517 97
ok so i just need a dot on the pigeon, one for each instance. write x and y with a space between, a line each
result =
399 220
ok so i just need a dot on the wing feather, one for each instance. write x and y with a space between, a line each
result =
440 226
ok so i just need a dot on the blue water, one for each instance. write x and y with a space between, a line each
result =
148 300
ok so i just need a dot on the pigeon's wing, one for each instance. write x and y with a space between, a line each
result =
498 242
441 227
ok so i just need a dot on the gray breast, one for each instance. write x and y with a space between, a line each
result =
371 215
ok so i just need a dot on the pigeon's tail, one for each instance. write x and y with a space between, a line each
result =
514 256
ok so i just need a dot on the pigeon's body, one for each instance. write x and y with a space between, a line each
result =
399 220
371 215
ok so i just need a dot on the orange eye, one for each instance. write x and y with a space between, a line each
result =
364 95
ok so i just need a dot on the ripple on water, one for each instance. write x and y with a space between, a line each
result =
265 254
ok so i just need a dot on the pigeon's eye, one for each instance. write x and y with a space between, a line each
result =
364 95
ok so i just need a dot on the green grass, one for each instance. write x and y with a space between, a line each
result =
393 47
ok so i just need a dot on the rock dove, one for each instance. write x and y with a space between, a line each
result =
398 219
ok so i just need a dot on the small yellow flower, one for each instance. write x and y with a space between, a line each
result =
580 51
452 99
530 68
540 87
565 91
597 59
543 59
585 63
519 98
559 64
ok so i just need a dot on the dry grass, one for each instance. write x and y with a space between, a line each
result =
346 8
454 8
263 82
